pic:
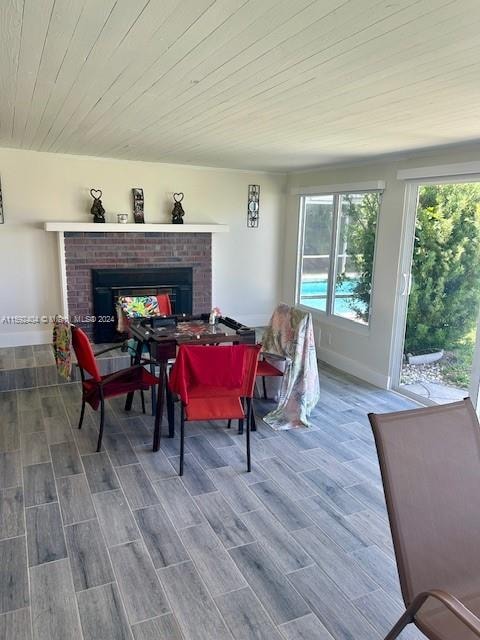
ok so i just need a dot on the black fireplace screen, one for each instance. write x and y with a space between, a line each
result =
109 284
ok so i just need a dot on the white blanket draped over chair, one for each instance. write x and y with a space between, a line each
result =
290 335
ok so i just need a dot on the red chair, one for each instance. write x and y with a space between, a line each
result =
267 370
215 383
164 304
98 388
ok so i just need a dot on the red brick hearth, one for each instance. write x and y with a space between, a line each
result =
87 251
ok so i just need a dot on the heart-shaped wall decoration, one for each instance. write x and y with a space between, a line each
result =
178 197
96 194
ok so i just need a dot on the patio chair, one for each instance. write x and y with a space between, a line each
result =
98 388
430 465
215 383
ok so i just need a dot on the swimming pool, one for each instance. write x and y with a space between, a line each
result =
319 288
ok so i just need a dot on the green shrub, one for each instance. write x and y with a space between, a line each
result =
360 240
444 300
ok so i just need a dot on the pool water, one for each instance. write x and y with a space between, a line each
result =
319 288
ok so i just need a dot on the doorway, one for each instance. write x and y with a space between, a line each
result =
438 350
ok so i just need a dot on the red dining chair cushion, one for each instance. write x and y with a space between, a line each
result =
211 382
214 408
264 368
84 353
245 390
207 391
207 370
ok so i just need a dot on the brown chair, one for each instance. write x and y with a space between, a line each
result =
430 464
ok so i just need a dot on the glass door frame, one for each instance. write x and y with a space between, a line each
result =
404 281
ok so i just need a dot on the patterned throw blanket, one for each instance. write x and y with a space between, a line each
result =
130 307
139 306
62 344
290 335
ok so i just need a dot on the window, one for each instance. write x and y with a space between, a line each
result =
337 253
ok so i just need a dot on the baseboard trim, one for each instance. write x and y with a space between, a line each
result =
354 367
26 338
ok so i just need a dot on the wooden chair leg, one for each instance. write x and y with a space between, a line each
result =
142 396
229 424
102 422
264 388
240 427
182 440
249 412
82 413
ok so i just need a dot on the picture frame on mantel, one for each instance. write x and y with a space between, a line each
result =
2 219
138 204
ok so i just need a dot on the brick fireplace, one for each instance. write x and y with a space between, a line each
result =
87 251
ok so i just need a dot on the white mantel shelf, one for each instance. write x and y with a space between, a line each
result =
109 227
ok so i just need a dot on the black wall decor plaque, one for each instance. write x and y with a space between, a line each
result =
253 208
138 204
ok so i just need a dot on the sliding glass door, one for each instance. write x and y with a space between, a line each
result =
439 359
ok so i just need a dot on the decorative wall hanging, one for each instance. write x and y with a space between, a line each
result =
177 212
253 209
138 203
97 210
2 220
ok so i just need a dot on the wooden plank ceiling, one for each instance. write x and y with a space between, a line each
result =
267 84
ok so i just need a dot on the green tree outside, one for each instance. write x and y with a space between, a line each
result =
358 232
444 300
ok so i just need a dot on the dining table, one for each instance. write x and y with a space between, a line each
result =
161 336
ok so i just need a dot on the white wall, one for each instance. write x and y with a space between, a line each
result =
39 187
367 354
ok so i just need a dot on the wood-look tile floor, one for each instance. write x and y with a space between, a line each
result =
114 545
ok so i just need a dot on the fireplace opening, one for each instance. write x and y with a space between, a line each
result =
109 284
